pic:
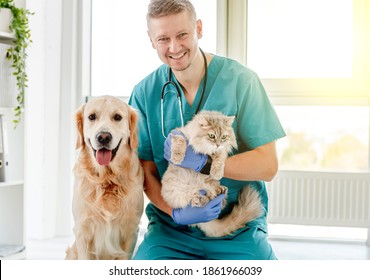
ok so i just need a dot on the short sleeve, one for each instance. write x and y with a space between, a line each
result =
138 103
257 121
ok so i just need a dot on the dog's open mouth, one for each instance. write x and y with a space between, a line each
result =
104 156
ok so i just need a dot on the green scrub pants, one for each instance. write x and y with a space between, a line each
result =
162 242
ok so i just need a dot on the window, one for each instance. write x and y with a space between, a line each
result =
312 48
121 53
324 138
313 59
310 39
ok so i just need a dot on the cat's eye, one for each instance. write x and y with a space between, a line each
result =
211 136
224 137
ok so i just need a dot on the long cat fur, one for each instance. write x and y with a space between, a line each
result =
211 133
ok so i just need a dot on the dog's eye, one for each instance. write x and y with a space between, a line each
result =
117 117
92 117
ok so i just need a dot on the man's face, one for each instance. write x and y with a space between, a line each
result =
175 37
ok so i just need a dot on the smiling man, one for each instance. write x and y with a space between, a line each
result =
191 80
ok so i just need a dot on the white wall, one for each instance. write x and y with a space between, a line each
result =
50 103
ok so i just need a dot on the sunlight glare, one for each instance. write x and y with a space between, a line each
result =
300 38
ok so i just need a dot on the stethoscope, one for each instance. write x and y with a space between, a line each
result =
170 82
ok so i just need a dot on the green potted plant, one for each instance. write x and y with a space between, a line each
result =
17 52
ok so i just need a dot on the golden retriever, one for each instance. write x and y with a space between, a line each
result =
108 191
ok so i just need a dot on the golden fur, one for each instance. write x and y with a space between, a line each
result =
108 193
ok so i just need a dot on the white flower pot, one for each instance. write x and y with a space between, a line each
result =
5 19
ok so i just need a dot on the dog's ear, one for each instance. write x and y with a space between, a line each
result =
79 125
133 117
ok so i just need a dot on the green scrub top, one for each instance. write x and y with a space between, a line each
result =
231 89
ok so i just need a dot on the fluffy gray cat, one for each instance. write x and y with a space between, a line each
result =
211 133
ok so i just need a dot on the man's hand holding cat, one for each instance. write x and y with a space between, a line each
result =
191 160
193 215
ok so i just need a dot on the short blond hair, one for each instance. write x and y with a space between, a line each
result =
160 8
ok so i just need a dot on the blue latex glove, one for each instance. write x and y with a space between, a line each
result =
191 160
193 215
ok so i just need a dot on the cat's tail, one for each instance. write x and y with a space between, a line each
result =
249 208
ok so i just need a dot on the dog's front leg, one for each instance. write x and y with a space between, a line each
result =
83 242
129 244
71 252
83 249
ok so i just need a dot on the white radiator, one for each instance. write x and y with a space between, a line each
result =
320 198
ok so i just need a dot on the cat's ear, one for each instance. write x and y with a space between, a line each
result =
203 121
229 120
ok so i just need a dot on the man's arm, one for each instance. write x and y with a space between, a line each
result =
260 163
182 216
152 186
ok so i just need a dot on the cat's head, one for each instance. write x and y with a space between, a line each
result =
211 132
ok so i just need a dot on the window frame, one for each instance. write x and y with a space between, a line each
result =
284 89
351 91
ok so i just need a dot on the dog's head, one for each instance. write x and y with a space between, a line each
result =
104 124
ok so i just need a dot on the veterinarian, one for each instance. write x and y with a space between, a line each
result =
187 82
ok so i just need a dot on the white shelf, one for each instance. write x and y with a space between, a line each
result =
10 184
12 190
7 38
18 256
12 252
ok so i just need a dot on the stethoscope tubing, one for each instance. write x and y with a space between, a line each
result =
170 82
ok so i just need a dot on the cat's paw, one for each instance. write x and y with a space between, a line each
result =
178 149
221 190
224 191
199 200
216 172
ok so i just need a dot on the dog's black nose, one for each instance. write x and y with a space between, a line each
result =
104 138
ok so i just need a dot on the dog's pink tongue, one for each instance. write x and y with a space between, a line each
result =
103 156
